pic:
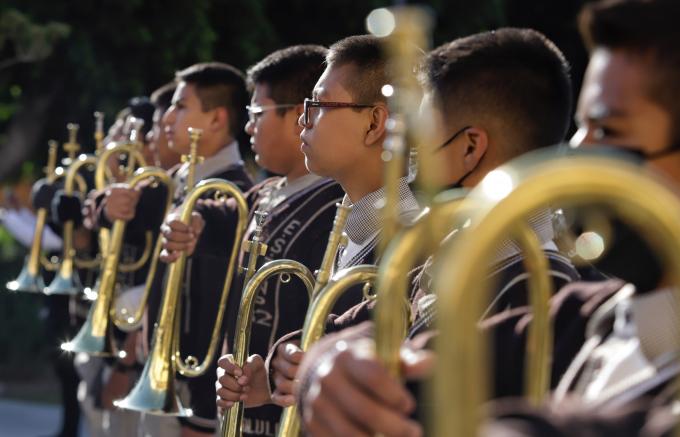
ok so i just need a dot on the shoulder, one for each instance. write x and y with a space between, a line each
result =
237 175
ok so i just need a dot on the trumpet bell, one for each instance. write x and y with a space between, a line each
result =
69 286
87 342
27 282
154 398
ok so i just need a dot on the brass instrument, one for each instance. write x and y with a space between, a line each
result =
322 302
98 132
30 280
405 25
66 280
503 199
315 322
155 390
94 336
390 314
405 31
231 424
102 176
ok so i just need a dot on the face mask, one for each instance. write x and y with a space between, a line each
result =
630 258
644 156
459 182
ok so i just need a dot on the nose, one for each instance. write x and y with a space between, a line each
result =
169 116
301 121
250 127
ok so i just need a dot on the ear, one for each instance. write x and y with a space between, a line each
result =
220 119
476 145
375 132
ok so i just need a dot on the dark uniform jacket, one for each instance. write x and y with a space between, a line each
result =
297 229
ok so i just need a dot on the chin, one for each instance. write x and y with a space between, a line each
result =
312 167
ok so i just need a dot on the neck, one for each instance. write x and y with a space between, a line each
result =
362 182
297 172
209 149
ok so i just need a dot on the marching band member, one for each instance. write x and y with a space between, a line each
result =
488 88
300 207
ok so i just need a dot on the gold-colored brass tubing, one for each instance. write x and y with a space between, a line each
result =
419 240
29 279
460 385
142 260
47 263
103 177
126 322
231 425
154 392
94 336
315 322
540 336
66 280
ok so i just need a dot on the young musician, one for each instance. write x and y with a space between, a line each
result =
623 383
212 97
485 91
300 207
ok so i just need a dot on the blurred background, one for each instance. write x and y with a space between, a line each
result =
62 60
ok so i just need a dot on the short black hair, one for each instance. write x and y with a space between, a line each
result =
162 97
289 73
515 76
219 85
366 54
644 27
142 108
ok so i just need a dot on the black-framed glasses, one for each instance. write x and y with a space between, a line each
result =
453 137
309 103
255 111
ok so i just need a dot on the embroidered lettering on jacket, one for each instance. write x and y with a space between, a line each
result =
277 246
260 427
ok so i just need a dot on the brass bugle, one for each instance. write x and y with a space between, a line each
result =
391 314
30 280
67 280
155 390
502 200
419 240
404 31
102 179
231 424
94 337
234 415
315 322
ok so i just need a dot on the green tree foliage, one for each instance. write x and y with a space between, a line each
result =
92 55
30 42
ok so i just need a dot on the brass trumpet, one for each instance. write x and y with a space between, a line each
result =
66 280
502 200
323 299
30 280
231 424
155 390
94 336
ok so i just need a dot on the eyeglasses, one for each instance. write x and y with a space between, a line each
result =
453 137
255 111
309 103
